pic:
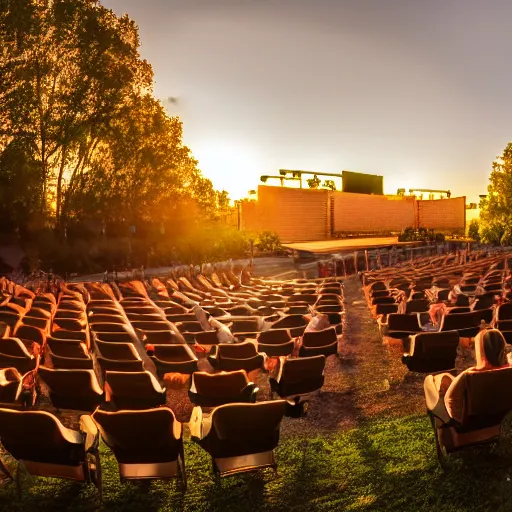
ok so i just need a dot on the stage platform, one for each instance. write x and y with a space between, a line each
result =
348 245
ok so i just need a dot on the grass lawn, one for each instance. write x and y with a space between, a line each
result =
384 465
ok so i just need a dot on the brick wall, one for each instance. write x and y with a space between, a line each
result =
442 214
294 214
361 213
299 215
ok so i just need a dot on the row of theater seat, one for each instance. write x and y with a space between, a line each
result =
100 344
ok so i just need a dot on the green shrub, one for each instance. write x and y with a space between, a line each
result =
268 241
410 234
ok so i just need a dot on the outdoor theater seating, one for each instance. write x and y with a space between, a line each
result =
275 342
456 311
68 355
295 379
324 342
101 318
432 352
211 390
468 324
10 387
56 451
134 364
239 437
77 390
385 309
289 322
147 444
417 306
69 336
15 354
485 407
133 390
177 358
383 300
236 356
9 318
401 325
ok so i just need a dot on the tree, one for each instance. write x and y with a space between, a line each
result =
474 230
66 70
85 148
496 207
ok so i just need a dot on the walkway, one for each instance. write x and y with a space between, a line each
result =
368 378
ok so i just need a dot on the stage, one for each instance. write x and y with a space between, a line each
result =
349 245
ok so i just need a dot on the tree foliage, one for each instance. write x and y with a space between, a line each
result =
84 145
496 207
474 230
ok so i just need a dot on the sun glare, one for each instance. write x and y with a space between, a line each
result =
231 167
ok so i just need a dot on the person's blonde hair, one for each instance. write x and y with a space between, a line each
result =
492 343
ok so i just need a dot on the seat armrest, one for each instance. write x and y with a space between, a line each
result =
254 394
195 423
92 435
177 429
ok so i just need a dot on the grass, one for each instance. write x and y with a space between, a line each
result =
384 465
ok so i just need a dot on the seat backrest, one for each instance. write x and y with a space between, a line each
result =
219 385
63 334
146 326
114 337
13 347
164 336
319 338
181 317
11 319
189 327
39 436
274 336
132 384
289 321
246 325
39 313
237 350
308 298
385 309
30 333
417 306
138 433
402 322
443 294
301 368
104 310
436 344
174 353
118 351
383 300
246 421
462 300
458 311
63 349
70 324
110 327
70 382
505 311
485 394
101 318
68 313
466 320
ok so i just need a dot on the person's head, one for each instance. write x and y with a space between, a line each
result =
490 349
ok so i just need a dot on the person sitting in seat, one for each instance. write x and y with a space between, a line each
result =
445 393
